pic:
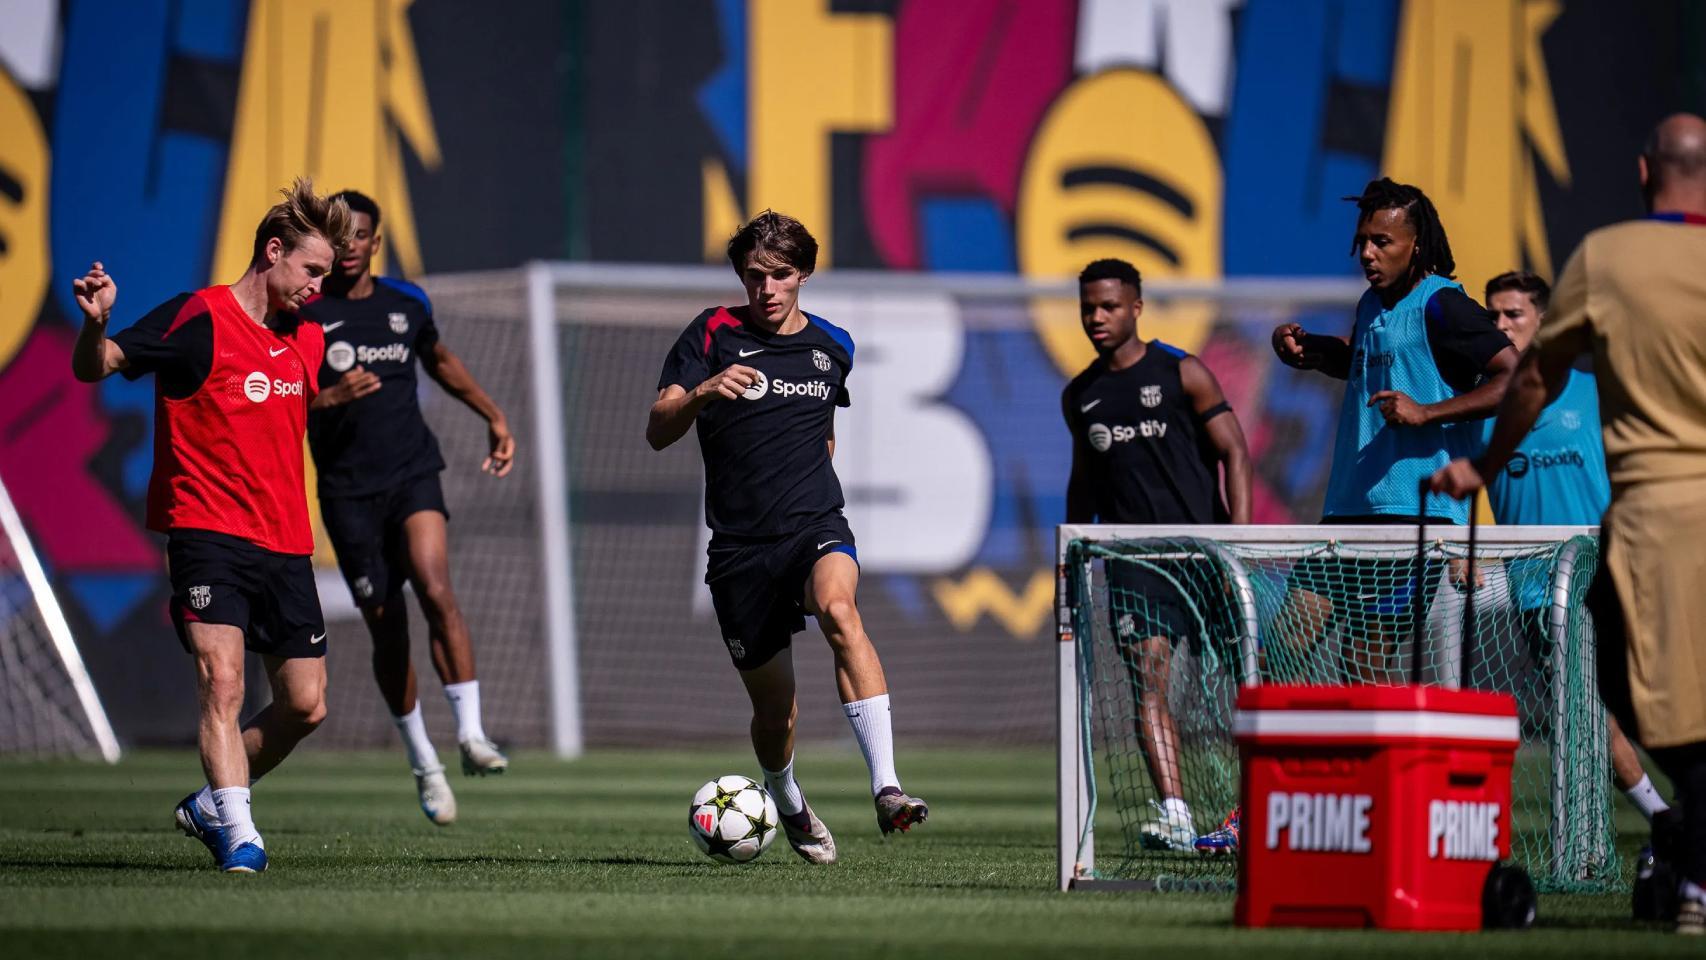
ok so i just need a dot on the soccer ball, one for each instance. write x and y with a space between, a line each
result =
732 819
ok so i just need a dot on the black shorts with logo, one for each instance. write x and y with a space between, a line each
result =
758 586
1173 598
218 578
367 535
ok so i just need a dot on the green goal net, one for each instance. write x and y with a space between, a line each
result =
1165 629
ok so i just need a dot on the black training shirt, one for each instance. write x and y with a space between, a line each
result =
767 464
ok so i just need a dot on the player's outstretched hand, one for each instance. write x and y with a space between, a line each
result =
731 383
502 456
1398 409
95 292
1460 479
1457 569
357 383
1289 346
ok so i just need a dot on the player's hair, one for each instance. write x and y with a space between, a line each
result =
303 213
1433 250
359 203
1521 281
778 235
1112 269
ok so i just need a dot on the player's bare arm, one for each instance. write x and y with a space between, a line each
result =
450 373
352 386
1477 404
1303 350
95 357
1536 378
675 408
1224 432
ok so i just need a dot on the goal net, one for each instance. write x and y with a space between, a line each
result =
48 705
1160 626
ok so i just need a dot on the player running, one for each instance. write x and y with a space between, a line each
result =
1151 432
1421 361
233 370
761 382
1556 476
378 465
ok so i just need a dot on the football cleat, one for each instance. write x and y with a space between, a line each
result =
808 836
1223 840
1167 831
247 858
481 757
194 824
437 802
897 811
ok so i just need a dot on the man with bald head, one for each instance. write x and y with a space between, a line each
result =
1634 295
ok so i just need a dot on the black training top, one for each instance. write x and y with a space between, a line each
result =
375 443
1139 446
767 464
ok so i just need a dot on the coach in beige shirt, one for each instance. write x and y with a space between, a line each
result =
1634 296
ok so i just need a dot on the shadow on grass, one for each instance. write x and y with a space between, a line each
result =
11 863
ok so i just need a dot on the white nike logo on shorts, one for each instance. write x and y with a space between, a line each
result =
826 543
273 353
748 353
317 638
1086 408
329 327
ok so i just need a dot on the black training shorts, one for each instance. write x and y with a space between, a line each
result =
367 535
758 586
218 578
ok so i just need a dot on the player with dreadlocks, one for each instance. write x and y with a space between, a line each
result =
1423 360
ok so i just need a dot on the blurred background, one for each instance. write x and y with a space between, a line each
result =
959 160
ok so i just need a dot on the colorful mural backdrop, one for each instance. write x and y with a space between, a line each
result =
1198 138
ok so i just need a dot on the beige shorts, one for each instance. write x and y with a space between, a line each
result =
1653 544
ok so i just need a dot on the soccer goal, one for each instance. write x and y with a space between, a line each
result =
48 705
1217 608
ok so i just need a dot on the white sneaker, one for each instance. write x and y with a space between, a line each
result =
437 802
482 757
809 837
1169 831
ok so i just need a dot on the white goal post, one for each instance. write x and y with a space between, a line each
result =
25 689
1576 842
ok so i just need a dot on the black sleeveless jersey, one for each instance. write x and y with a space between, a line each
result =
1138 444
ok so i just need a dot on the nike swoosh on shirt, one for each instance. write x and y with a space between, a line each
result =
273 353
748 353
825 544
329 327
1086 408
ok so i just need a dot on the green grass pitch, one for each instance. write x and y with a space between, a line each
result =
592 858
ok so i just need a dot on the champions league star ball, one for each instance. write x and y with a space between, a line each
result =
732 819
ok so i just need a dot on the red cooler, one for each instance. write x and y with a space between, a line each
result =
1378 806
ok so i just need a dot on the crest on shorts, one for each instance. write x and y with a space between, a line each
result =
399 323
735 648
200 597
363 588
1150 395
821 360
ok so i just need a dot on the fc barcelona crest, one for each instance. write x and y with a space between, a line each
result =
1150 395
399 323
200 597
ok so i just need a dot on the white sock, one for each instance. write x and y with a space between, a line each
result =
1176 810
204 803
236 817
465 700
784 790
1646 799
422 757
870 720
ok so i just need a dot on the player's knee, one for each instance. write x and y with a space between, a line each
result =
305 710
221 686
438 599
841 621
